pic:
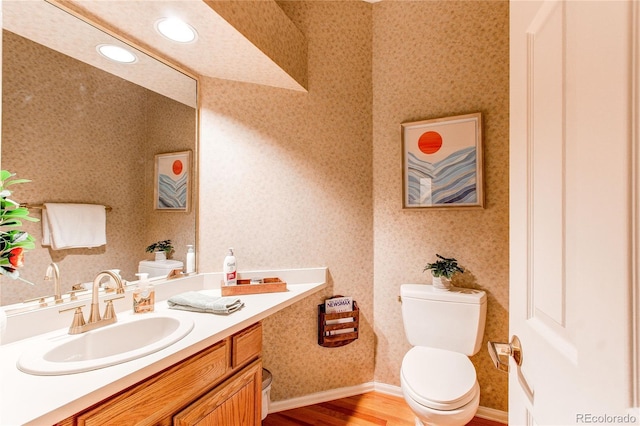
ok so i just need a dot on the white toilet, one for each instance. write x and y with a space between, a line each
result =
437 378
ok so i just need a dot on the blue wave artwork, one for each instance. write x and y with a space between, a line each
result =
172 194
449 181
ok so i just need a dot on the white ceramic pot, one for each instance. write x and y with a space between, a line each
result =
441 284
160 256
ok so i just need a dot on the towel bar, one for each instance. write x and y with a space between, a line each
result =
41 206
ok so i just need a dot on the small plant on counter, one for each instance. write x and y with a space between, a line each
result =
164 246
444 267
13 243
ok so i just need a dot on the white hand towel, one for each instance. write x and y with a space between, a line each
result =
66 226
198 302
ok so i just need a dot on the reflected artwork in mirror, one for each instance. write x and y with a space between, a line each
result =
83 134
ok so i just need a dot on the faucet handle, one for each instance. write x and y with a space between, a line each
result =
109 311
41 300
78 319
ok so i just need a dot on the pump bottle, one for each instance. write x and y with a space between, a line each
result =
191 260
229 269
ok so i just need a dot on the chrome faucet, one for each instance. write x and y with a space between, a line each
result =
95 321
53 273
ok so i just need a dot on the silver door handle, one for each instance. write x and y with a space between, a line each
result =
500 353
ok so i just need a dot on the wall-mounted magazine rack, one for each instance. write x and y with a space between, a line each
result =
338 329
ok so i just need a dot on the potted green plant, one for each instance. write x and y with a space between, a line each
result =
14 242
444 267
162 249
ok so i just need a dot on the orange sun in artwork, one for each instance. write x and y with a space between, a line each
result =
177 167
430 142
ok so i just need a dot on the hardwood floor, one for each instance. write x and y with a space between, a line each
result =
367 409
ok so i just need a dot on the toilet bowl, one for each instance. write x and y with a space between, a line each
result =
440 386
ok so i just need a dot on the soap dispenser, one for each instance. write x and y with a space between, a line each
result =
143 295
191 260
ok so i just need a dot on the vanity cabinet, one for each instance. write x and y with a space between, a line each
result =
220 385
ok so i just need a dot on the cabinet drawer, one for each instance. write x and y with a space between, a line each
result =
159 397
246 345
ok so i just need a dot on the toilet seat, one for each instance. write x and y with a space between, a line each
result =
439 379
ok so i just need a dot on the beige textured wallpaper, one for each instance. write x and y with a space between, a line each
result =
83 135
286 181
436 59
297 180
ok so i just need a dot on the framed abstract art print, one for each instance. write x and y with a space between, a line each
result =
442 162
172 181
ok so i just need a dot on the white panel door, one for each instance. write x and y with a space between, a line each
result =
572 217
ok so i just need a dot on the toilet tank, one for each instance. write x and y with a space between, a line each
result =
453 320
159 268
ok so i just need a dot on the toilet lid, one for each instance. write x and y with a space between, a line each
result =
438 378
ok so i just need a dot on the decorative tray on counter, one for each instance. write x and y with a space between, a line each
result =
245 286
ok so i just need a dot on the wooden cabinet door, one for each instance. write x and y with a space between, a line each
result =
236 402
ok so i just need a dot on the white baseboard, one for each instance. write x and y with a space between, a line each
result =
319 397
493 414
330 395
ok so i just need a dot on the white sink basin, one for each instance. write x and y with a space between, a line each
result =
123 341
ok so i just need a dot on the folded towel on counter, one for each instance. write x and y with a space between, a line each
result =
66 226
198 302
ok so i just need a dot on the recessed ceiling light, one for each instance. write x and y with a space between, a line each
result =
117 53
176 30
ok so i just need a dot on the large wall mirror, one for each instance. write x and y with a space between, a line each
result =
86 130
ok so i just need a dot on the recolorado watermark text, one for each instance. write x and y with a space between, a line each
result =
590 418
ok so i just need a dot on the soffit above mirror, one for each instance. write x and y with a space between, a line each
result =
252 41
54 28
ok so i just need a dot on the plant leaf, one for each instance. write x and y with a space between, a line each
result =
11 182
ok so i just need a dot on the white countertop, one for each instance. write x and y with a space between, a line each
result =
38 400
